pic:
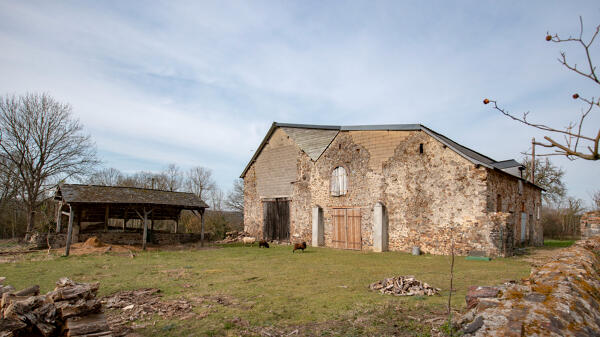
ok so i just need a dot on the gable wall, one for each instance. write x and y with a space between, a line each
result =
271 176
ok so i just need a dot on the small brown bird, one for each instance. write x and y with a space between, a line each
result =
301 246
263 243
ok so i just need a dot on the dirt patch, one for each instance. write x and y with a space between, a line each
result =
135 309
93 242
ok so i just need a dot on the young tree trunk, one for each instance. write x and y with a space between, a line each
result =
30 220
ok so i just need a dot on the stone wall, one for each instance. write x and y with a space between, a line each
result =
516 198
561 298
590 224
428 197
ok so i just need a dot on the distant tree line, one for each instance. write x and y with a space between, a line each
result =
43 144
561 213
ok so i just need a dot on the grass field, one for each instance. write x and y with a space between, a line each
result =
321 291
550 243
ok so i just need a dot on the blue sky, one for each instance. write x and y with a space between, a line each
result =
199 83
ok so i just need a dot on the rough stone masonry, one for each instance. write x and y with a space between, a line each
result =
411 187
561 298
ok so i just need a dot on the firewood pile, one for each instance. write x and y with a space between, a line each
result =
404 286
140 305
71 309
234 236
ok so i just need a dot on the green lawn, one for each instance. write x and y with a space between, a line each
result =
550 243
273 287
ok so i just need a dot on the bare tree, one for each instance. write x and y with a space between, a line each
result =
173 179
235 197
106 177
596 200
44 142
575 142
217 199
199 181
549 177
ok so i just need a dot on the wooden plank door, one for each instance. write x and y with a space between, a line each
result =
354 240
346 228
276 220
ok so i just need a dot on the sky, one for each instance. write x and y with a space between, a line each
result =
199 83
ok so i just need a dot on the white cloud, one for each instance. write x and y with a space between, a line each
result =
200 83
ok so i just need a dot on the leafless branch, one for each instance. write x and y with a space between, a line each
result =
575 144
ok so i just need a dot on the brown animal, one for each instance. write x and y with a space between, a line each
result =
263 243
301 246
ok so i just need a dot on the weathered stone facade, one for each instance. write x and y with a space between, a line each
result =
590 224
430 192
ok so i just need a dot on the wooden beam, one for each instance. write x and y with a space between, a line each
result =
106 219
177 222
202 228
201 216
145 235
69 232
58 217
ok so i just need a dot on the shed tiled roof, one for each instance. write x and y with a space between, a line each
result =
95 194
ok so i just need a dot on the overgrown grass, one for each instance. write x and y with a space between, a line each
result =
269 287
550 243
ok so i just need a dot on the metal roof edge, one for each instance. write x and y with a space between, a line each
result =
382 127
259 149
308 126
436 136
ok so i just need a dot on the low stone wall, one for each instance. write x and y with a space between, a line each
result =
590 224
134 238
561 298
58 240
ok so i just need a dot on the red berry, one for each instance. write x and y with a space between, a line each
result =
486 101
575 96
548 37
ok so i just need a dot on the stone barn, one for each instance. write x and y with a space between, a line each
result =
386 187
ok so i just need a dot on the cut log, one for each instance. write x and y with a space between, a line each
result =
81 307
86 325
31 291
79 290
96 334
10 325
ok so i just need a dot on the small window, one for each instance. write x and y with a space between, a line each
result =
539 211
499 203
421 148
339 182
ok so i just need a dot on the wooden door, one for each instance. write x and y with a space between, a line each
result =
346 228
276 214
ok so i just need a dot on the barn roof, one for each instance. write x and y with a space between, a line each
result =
95 194
314 140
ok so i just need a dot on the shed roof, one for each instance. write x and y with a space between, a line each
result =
95 194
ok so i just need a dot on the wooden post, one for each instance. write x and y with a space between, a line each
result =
177 222
58 217
106 219
69 232
202 227
533 160
145 236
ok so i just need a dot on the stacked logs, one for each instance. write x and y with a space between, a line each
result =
71 309
233 236
404 286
